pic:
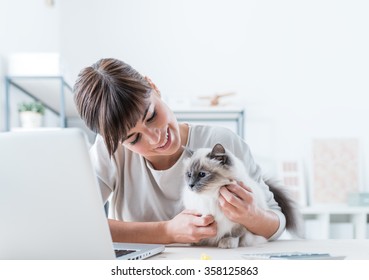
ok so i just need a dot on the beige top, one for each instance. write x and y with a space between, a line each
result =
137 192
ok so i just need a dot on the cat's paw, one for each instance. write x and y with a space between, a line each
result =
204 242
228 242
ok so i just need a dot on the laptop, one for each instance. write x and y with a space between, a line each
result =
50 203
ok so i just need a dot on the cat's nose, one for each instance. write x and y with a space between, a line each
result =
191 185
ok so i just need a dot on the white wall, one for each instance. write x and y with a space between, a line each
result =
25 26
28 26
299 67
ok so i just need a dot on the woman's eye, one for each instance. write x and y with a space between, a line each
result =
152 116
202 174
136 139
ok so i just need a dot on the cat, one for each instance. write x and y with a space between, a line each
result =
206 171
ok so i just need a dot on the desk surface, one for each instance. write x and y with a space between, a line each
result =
353 249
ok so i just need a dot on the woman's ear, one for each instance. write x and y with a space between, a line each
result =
151 83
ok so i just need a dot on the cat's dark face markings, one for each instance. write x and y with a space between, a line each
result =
198 176
203 173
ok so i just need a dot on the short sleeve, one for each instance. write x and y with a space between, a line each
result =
105 168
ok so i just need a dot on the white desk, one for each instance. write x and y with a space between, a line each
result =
352 249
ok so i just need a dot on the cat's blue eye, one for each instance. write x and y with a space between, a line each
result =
189 174
202 174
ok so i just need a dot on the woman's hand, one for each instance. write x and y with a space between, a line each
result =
238 203
190 227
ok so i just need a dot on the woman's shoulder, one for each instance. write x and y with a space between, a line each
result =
208 135
98 147
99 152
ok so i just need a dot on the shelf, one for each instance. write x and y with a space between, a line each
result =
333 221
52 91
225 115
334 209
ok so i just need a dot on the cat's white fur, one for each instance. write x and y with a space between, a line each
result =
206 201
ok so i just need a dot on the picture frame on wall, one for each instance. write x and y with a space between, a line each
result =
335 170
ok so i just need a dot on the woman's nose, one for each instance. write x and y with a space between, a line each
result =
153 136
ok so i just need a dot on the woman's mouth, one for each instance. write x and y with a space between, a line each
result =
166 142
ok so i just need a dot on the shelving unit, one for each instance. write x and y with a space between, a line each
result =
324 222
230 117
48 90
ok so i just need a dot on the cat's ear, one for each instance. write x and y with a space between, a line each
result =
218 153
218 149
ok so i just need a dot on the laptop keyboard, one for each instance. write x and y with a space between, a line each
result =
120 253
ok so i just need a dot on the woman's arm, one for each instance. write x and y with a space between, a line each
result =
186 227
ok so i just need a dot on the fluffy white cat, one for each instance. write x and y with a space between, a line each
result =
206 172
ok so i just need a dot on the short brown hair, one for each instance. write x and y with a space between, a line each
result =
111 97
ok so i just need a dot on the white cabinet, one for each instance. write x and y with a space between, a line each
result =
336 222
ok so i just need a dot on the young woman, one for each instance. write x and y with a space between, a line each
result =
138 157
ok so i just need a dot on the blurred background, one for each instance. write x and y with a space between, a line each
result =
298 70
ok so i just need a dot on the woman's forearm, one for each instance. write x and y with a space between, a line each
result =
139 232
186 227
265 223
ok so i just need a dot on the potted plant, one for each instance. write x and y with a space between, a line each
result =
31 114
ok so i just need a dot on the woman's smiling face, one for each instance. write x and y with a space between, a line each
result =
157 133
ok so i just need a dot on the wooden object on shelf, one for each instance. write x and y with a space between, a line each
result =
215 98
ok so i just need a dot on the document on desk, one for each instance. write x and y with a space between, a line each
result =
292 256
